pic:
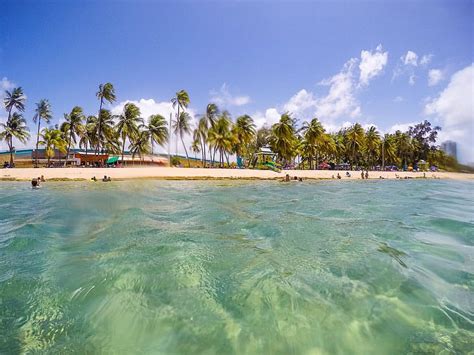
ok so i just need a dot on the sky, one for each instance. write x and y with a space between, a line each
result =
385 63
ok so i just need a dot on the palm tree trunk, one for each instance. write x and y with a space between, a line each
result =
68 146
123 149
186 151
10 146
37 141
99 128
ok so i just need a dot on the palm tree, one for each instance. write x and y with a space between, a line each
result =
14 99
108 137
158 130
182 127
221 138
140 144
283 140
88 133
52 139
42 112
313 131
244 131
404 146
72 127
128 122
200 135
106 93
372 144
195 147
355 142
181 101
388 148
15 127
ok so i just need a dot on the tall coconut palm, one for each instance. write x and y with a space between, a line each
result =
128 122
42 112
220 137
72 127
106 93
15 127
14 99
210 117
244 131
372 144
181 102
355 136
388 150
181 127
283 140
88 133
158 130
140 144
108 137
404 146
313 132
53 140
200 135
195 147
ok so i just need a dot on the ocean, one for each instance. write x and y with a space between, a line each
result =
237 267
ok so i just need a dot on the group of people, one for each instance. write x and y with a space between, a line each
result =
295 178
35 182
104 179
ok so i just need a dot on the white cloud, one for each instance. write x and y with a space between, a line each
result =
411 79
455 109
6 84
267 119
403 127
150 107
224 98
410 58
434 77
426 59
372 64
398 99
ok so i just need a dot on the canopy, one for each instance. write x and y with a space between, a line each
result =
112 160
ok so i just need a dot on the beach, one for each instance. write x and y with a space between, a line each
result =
24 174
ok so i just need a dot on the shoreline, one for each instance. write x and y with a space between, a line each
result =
165 173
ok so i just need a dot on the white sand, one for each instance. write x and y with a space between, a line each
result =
197 173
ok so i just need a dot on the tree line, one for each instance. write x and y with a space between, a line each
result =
216 136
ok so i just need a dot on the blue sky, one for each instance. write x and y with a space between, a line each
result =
385 63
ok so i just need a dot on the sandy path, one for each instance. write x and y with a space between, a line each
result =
196 173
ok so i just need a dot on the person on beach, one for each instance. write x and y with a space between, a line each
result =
348 174
287 178
362 174
367 174
338 176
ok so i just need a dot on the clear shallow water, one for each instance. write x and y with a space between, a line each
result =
378 267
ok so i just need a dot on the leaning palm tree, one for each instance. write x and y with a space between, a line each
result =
15 127
53 140
128 123
14 99
42 112
181 102
200 135
181 127
221 138
72 127
158 130
106 93
140 144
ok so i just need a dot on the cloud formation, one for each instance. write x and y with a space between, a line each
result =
454 107
372 64
434 77
410 58
224 98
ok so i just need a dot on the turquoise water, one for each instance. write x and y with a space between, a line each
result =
339 267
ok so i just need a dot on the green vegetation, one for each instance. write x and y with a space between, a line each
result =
217 137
